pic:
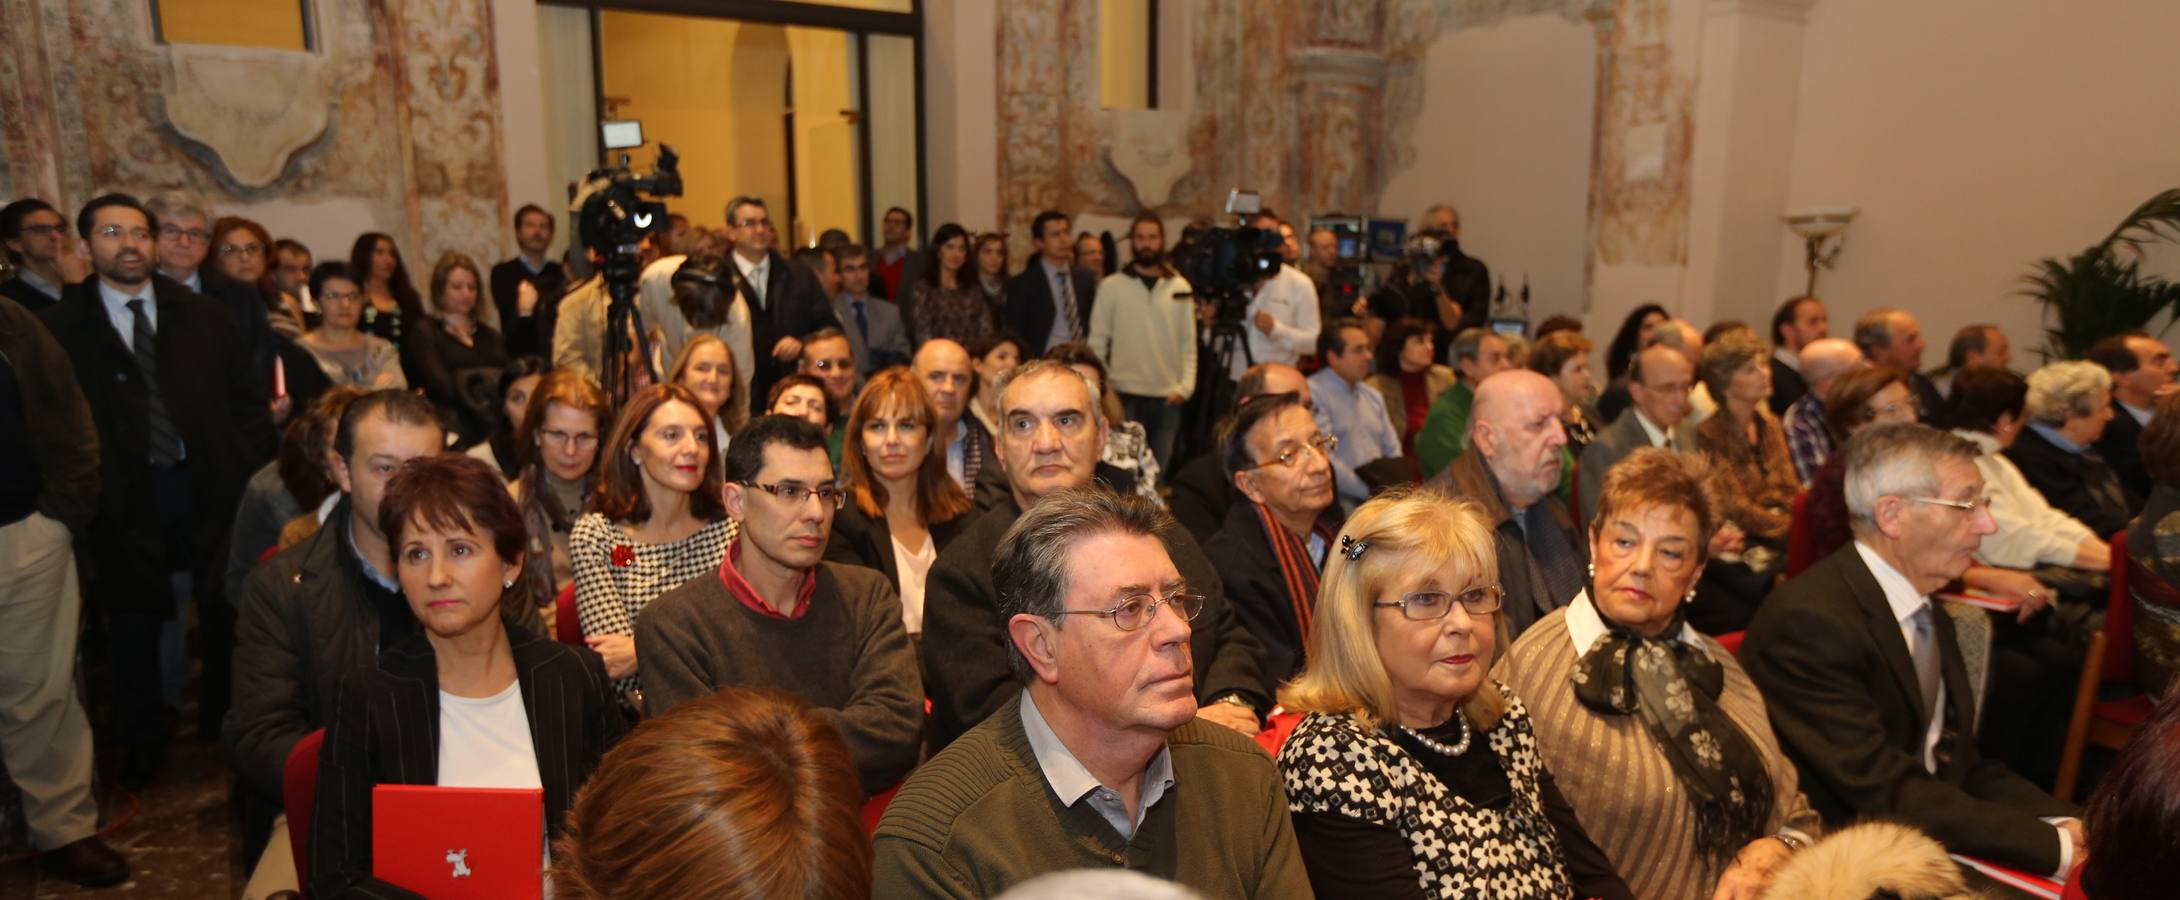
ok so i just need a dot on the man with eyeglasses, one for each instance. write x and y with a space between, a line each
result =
1658 382
37 242
1271 549
1865 678
1051 436
785 300
873 324
1511 472
1099 760
181 425
779 617
185 248
828 357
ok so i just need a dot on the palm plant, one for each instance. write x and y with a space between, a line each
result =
2102 291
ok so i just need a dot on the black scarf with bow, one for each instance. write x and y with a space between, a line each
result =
1673 688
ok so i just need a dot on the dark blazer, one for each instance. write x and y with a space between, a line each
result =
965 640
247 311
1624 436
888 344
2081 484
2121 448
1929 398
1030 308
794 305
1242 556
215 403
63 440
1469 479
385 730
1787 386
29 298
1827 653
443 367
524 332
863 540
1202 493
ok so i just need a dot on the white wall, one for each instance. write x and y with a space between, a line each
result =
961 113
1977 138
1504 134
522 109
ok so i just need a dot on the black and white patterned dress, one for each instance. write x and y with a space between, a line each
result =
610 593
1458 849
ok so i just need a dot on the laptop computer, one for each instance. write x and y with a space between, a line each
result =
459 843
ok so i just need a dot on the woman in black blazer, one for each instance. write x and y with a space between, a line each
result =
906 507
445 705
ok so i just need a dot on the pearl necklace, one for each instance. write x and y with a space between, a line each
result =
1439 748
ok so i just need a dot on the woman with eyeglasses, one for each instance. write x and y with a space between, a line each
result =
1858 398
658 520
344 352
946 301
1657 737
904 507
563 423
1415 774
243 249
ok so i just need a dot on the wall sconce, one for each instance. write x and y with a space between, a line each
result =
1821 233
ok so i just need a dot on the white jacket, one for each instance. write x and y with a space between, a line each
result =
1147 337
2030 531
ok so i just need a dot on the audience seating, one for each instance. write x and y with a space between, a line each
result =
299 785
1800 552
2111 659
567 626
1732 641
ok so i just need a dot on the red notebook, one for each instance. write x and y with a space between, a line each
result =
459 843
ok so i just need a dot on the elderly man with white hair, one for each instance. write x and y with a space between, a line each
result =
1864 677
2069 404
1511 472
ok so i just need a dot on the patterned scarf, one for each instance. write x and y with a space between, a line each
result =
1673 688
1296 569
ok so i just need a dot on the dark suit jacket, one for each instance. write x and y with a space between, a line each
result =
246 310
863 540
794 305
20 291
213 401
888 344
385 730
1624 436
1927 396
1827 653
1787 386
2081 484
1469 479
2121 448
524 332
965 640
1202 492
1242 555
1030 308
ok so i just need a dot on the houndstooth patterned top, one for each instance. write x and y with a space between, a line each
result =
609 596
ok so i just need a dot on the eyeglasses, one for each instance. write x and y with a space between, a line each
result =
1424 606
339 296
115 231
828 365
568 438
39 231
793 493
246 251
195 235
1292 456
1136 611
1969 506
754 223
1894 407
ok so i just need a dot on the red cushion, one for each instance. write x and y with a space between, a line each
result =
299 787
1801 548
2131 712
1276 730
1732 641
567 626
875 808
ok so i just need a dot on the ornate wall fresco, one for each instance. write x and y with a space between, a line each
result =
396 109
1639 181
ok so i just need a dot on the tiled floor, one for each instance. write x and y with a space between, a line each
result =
180 842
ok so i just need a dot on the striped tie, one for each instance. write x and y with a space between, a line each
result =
166 442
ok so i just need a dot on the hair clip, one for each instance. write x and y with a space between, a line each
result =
1352 548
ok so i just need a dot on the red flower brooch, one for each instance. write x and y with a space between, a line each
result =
624 555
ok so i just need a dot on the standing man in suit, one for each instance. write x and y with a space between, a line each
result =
35 237
1658 384
785 300
528 282
2142 370
1892 338
873 325
1797 322
1049 303
1864 676
181 425
185 241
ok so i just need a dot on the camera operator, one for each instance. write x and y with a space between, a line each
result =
1414 293
1466 280
1281 321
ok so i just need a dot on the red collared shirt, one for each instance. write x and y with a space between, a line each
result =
739 587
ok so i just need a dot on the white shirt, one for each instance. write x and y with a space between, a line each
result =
38 283
2031 532
1657 435
484 742
1905 601
2142 416
1291 298
1787 358
117 310
912 567
755 272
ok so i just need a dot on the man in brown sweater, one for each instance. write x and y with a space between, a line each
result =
777 617
1101 761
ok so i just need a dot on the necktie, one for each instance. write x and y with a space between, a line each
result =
1064 289
166 442
1925 650
862 320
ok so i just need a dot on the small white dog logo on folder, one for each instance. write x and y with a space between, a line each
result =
460 861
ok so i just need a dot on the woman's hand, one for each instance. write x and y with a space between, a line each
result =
619 651
1750 875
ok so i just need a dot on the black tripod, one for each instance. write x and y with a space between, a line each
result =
625 335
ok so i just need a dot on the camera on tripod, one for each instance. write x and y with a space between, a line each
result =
614 210
1223 265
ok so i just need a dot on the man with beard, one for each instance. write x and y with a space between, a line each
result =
530 279
1143 326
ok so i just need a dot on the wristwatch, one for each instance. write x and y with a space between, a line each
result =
1234 698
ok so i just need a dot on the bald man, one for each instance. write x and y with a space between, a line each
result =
1822 362
943 367
1510 472
1201 489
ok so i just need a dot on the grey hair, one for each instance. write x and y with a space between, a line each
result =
1044 367
2062 390
1469 344
1030 571
1896 459
1874 330
1725 356
168 206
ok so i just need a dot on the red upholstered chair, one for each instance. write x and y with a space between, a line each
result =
567 626
875 808
1732 641
1276 730
1801 552
2073 889
2111 660
299 787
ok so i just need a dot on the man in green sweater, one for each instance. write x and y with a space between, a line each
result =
1101 761
1477 354
774 616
